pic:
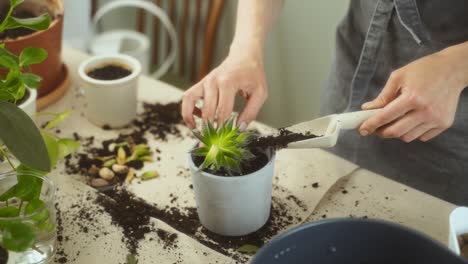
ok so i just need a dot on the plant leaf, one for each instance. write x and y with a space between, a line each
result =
10 211
33 205
67 146
8 60
19 133
58 119
15 3
28 187
18 236
131 259
52 148
248 249
10 193
32 55
31 80
41 22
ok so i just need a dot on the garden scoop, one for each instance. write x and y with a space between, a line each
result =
328 128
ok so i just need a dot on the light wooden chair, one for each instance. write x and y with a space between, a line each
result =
196 23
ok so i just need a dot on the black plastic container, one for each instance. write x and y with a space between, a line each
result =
354 241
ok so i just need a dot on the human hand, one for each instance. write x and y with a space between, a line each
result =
419 100
240 73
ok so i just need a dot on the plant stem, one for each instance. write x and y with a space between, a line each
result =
38 249
7 158
45 113
2 25
20 206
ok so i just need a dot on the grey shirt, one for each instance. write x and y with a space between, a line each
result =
375 38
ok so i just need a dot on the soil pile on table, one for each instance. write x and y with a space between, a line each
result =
133 215
109 72
130 216
16 32
160 120
279 141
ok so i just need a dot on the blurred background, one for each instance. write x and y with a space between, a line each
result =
298 52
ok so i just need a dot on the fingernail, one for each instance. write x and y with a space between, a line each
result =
366 105
242 126
364 133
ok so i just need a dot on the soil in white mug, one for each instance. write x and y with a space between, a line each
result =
109 72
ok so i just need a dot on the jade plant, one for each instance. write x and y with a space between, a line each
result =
37 151
222 148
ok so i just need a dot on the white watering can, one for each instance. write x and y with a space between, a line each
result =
131 42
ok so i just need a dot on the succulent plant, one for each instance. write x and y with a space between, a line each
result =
223 148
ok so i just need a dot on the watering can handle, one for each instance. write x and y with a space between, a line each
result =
154 10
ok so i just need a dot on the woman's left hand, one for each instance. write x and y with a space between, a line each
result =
419 100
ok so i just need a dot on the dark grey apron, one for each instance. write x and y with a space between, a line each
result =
375 38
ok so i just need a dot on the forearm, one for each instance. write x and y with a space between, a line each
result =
457 59
254 20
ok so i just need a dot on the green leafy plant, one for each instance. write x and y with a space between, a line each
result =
37 151
223 148
13 87
17 235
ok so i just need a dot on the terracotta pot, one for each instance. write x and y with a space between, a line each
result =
51 70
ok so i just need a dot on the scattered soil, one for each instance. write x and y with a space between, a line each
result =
133 215
130 216
16 32
60 255
280 140
159 120
3 256
463 242
169 239
109 72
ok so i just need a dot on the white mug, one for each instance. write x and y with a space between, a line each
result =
110 102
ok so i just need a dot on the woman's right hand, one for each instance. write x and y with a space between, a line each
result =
242 73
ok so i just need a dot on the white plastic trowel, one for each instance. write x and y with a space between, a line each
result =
328 128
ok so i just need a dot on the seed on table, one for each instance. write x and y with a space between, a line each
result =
117 168
109 163
93 170
130 176
149 175
106 174
111 147
98 182
121 156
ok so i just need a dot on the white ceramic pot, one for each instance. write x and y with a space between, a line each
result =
112 102
458 225
233 206
29 106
